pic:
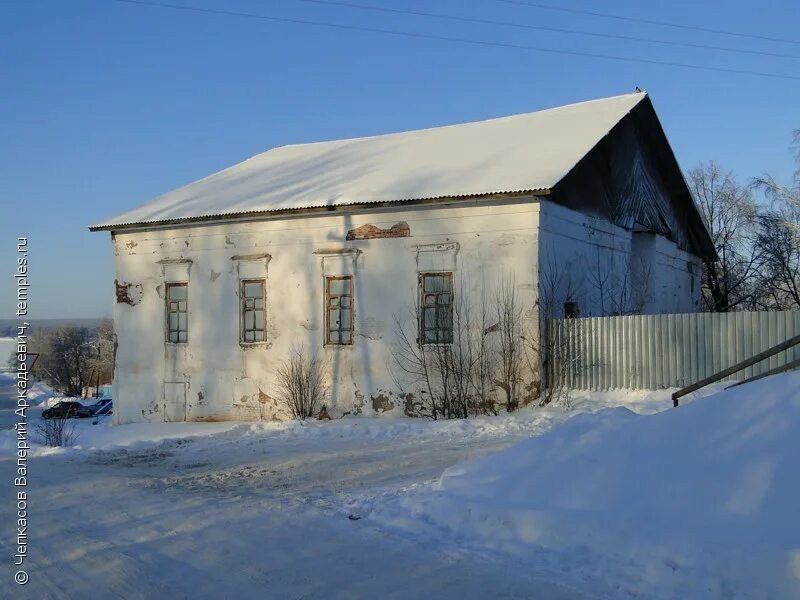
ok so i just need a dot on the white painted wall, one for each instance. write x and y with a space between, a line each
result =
224 380
609 270
477 240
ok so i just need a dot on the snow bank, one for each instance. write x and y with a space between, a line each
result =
36 391
531 420
526 422
41 395
104 435
701 501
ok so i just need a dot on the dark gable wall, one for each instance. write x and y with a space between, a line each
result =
631 178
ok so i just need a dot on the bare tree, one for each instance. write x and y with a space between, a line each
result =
57 432
73 358
550 355
453 379
299 382
779 276
483 382
786 196
559 283
413 368
730 214
779 240
509 328
103 363
622 283
455 363
65 358
565 361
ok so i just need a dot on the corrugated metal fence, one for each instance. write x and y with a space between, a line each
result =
660 351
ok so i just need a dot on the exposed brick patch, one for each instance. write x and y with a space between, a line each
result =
381 403
128 293
371 232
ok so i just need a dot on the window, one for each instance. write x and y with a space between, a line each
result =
571 310
339 310
436 308
177 312
253 313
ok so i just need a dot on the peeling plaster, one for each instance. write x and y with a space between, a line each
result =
358 403
381 403
129 293
411 407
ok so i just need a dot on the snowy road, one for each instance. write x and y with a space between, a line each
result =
253 516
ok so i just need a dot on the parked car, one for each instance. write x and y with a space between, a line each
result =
103 406
67 410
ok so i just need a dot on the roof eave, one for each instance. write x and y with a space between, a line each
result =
309 210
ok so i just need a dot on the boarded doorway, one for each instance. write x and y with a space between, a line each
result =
174 401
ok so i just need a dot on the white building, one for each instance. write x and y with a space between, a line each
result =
330 245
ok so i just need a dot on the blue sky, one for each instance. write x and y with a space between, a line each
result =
105 105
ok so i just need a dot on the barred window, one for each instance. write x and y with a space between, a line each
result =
436 308
177 312
253 311
339 310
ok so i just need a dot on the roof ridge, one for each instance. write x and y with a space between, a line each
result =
560 107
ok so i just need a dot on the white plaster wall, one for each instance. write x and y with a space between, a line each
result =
225 380
610 270
676 284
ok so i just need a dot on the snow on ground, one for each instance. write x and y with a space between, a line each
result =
37 392
8 347
254 510
8 398
699 502
40 396
529 421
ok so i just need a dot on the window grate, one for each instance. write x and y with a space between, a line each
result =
253 311
177 313
339 310
436 308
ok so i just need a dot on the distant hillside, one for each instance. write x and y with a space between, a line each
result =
8 327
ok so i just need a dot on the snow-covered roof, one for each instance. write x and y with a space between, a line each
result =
522 153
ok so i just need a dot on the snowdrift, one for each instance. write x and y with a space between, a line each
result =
699 501
526 422
36 391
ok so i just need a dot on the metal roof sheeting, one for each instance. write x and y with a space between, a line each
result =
522 153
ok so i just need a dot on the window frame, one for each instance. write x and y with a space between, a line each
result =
421 338
243 309
572 309
168 330
327 341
